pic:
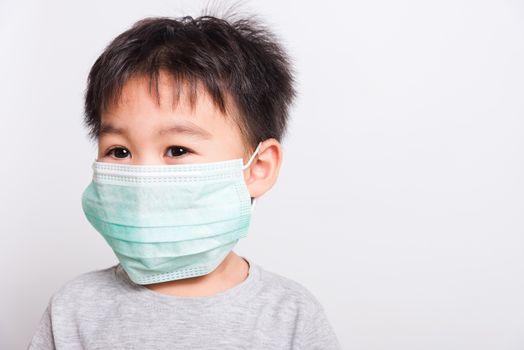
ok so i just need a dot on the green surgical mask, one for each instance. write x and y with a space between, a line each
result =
169 222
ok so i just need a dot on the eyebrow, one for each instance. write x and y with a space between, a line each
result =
189 129
110 129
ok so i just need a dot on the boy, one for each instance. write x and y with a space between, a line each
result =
188 114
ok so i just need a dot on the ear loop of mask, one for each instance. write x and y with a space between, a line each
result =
244 167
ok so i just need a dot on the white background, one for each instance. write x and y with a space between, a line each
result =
401 198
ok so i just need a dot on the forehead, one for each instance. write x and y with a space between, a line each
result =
144 102
165 93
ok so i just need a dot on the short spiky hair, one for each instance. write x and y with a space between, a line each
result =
238 59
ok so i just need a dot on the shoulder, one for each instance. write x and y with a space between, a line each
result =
291 298
287 291
86 287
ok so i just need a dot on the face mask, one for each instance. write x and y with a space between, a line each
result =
169 222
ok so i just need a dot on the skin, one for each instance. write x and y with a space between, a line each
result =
136 130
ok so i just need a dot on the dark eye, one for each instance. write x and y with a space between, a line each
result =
176 151
119 152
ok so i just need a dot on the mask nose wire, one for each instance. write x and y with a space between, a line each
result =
244 167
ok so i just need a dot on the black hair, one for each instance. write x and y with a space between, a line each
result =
238 59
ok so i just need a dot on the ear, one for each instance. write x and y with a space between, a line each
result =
263 171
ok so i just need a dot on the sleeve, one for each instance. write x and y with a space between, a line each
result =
317 333
43 337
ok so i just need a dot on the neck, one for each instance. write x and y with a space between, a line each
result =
231 271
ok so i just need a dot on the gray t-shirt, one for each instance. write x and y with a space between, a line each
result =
104 309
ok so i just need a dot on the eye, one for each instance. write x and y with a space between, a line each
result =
118 152
176 151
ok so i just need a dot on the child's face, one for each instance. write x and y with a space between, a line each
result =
138 131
